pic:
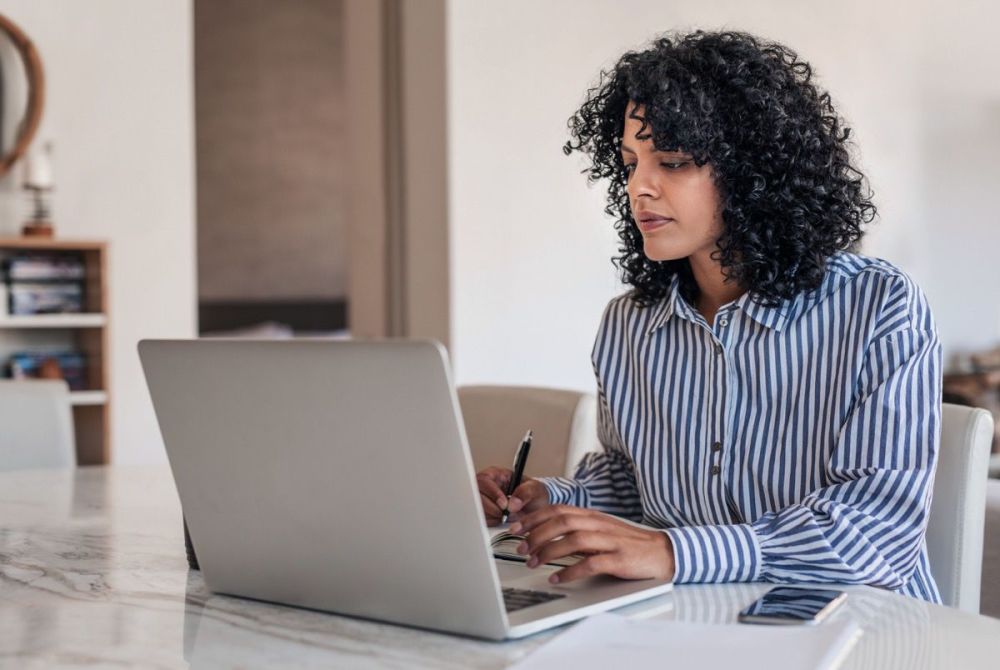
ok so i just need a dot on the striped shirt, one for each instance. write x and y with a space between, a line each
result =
794 443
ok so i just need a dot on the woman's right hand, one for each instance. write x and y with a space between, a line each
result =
493 481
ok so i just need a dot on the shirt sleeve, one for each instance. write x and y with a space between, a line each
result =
867 526
604 480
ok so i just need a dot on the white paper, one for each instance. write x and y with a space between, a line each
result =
609 640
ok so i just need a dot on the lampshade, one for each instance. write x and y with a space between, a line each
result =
38 168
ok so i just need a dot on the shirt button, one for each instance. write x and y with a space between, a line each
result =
718 348
717 446
723 322
716 469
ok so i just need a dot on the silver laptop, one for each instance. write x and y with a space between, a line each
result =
335 475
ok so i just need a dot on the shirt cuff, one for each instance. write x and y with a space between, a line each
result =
715 554
565 491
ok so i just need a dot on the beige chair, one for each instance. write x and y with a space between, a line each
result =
955 526
37 425
564 425
990 599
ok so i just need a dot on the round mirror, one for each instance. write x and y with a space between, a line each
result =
22 93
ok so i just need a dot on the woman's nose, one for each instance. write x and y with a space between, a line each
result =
643 182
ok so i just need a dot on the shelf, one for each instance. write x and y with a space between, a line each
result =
86 332
54 321
50 244
88 397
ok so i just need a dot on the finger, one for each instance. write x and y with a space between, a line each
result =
533 519
501 476
526 490
490 488
491 510
564 524
598 564
584 542
514 517
496 475
525 495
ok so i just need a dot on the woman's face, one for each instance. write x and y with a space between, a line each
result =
675 203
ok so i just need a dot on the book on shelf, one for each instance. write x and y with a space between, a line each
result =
52 298
43 267
72 366
37 283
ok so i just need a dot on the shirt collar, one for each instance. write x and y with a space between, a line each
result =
664 309
774 318
674 303
837 273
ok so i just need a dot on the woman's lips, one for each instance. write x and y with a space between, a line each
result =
650 225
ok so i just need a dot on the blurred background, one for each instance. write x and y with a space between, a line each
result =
360 168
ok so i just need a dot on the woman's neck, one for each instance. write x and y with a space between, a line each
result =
714 288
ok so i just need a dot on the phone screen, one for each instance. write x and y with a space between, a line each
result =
786 604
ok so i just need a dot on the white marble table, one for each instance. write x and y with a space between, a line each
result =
94 573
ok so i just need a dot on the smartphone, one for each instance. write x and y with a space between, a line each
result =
793 605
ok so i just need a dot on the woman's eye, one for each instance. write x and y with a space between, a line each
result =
630 167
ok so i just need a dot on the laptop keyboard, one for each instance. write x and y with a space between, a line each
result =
518 599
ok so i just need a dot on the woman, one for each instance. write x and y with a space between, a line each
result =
767 397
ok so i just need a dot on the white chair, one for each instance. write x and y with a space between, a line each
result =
36 425
563 424
958 506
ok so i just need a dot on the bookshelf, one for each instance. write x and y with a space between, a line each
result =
54 321
87 332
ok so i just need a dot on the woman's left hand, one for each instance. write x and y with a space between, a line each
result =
612 546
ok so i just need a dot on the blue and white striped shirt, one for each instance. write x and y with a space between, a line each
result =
794 443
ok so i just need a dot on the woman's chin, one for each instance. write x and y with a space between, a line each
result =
662 252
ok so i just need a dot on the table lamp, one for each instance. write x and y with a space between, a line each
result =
38 182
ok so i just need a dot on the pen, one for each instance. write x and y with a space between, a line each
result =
519 460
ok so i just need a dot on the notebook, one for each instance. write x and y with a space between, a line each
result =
505 543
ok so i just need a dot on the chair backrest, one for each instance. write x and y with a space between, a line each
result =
496 417
989 598
958 505
36 425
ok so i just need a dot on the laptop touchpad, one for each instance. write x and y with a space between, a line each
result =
538 578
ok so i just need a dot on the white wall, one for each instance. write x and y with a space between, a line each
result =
530 244
119 111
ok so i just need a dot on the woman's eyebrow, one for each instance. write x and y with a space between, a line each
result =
630 150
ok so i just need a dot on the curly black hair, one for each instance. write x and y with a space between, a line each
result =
780 156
